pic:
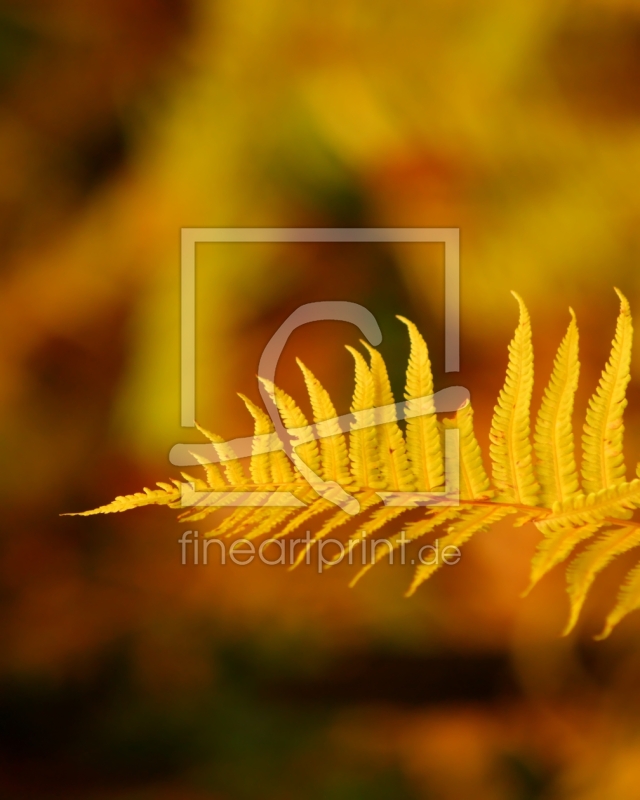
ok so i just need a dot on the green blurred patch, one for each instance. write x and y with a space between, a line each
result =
17 42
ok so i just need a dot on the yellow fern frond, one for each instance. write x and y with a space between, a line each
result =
596 507
457 535
557 547
553 436
423 437
510 447
628 601
376 465
266 523
584 569
262 520
215 479
367 500
272 469
474 483
268 470
233 468
195 513
364 453
333 449
167 495
293 417
379 518
260 464
317 506
396 469
603 458
198 484
414 531
237 480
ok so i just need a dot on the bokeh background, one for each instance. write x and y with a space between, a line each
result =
125 676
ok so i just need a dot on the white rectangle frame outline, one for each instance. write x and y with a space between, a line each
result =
191 237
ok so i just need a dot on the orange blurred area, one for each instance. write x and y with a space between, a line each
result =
125 675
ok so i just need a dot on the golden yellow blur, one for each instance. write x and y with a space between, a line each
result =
124 674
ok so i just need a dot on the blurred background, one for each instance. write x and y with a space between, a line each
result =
126 676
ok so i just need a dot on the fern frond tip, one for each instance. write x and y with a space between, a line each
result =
623 300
